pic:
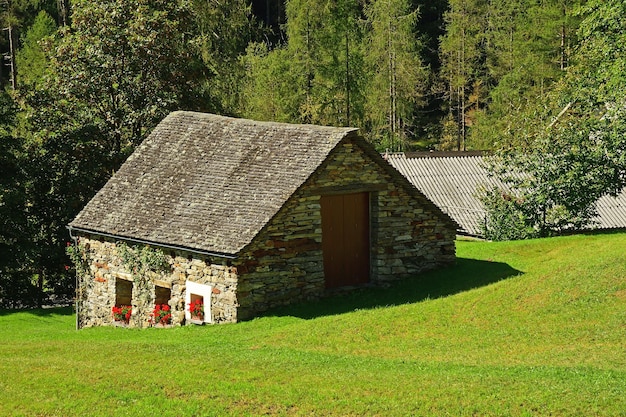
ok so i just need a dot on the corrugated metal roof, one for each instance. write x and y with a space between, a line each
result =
453 183
612 212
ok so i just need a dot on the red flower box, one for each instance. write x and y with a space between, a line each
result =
122 313
162 314
196 309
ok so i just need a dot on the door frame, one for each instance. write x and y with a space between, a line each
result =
330 276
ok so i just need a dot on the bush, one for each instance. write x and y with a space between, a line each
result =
505 217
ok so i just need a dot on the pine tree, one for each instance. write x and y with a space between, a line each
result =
321 66
397 78
462 53
222 33
31 58
527 52
340 68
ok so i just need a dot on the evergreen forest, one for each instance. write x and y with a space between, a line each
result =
538 83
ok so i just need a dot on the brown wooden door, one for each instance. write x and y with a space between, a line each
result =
345 239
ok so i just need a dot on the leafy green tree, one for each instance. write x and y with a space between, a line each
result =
505 218
121 66
114 73
572 149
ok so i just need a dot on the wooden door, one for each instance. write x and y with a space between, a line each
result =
346 239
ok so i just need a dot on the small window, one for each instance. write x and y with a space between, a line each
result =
162 295
198 303
123 292
162 313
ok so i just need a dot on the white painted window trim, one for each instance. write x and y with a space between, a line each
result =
203 290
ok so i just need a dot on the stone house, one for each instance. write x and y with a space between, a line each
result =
247 216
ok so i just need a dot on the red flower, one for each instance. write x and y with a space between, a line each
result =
161 314
122 313
196 308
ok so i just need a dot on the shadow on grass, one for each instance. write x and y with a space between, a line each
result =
41 312
465 275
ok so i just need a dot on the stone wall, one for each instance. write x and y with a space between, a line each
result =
97 295
284 263
406 238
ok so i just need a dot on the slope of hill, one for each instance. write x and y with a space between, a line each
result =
515 328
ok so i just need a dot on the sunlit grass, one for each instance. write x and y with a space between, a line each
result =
517 328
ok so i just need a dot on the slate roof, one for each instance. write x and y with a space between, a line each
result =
451 180
210 183
207 182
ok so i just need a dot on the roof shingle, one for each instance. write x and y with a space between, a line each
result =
208 182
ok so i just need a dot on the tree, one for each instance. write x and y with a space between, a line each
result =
223 31
528 48
122 65
272 89
462 56
15 16
398 79
339 70
16 288
31 58
572 150
114 73
321 64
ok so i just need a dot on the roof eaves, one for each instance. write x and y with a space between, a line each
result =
148 242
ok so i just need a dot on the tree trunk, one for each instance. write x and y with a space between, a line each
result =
347 79
63 10
40 282
12 68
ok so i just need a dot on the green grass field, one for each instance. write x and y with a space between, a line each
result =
532 328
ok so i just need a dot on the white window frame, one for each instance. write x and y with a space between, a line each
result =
205 292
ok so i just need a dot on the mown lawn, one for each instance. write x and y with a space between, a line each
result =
532 328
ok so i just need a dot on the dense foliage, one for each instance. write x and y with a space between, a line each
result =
572 147
86 82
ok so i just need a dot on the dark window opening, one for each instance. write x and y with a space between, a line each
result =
123 292
162 295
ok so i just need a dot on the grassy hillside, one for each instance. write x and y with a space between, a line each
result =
516 328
